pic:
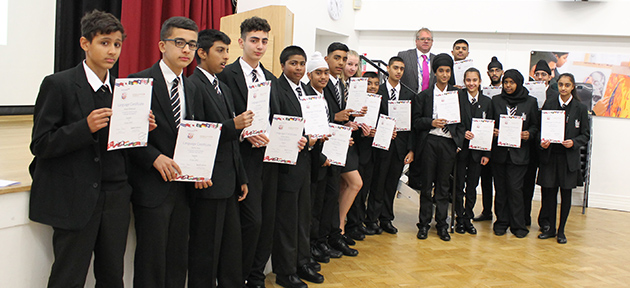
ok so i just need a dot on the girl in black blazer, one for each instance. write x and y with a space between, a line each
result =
560 162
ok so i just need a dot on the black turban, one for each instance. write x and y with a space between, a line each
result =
494 63
442 59
543 66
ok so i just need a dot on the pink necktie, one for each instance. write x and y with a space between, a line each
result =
425 73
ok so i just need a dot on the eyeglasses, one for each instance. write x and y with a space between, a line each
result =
425 39
181 43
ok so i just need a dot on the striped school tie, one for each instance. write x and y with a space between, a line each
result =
175 103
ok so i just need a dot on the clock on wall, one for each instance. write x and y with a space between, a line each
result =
335 8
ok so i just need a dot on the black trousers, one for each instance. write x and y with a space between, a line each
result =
549 205
468 172
357 213
387 173
161 258
215 243
508 203
105 235
438 158
486 189
326 207
291 246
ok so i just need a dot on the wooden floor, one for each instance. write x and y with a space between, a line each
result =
596 255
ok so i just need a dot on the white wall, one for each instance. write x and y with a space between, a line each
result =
29 53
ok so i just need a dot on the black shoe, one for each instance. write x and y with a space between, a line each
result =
341 245
326 249
316 266
307 273
377 230
483 218
389 227
562 239
365 231
443 233
521 233
470 229
423 232
319 255
355 234
547 234
459 228
545 228
348 240
290 281
252 285
499 232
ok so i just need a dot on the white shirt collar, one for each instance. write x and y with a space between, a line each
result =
437 90
390 87
293 85
168 74
247 70
470 97
94 81
564 103
210 77
419 53
317 92
333 79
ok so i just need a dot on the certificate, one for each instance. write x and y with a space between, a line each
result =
196 149
483 129
357 93
131 106
538 89
258 102
315 116
459 69
510 128
373 103
384 132
401 111
447 107
336 147
552 126
284 135
491 91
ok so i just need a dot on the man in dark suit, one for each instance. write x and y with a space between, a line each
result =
437 145
418 62
160 204
215 228
389 163
257 211
79 188
473 104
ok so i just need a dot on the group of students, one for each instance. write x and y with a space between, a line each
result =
222 232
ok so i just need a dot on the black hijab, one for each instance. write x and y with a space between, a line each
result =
520 94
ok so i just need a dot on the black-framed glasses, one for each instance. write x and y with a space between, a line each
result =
181 43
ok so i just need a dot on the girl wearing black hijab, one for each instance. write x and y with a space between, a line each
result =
510 164
560 162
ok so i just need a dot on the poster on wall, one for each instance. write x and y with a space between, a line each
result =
602 80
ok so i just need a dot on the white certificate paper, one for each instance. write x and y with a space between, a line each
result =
447 106
284 135
483 129
510 128
459 68
336 147
552 126
491 91
196 149
538 89
384 132
401 111
315 117
373 103
131 105
258 102
357 93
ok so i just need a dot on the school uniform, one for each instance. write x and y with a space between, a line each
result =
160 207
469 160
437 150
509 165
388 164
352 157
560 166
215 228
257 211
79 188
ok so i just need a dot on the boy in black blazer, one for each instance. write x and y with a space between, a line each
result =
215 227
437 145
79 188
257 211
160 205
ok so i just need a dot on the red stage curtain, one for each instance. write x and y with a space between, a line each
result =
143 20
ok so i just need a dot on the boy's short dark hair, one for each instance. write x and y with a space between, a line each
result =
99 22
177 22
254 24
395 59
370 74
206 40
337 46
460 41
290 51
